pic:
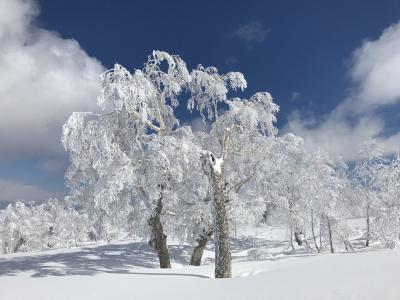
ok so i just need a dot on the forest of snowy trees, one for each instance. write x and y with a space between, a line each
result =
136 172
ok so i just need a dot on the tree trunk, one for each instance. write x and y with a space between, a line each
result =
290 217
330 235
313 232
202 241
291 236
368 226
158 239
348 246
298 237
221 230
20 242
320 234
5 247
235 229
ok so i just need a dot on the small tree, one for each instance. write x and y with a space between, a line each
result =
366 178
388 214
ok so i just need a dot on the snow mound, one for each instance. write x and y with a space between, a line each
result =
258 254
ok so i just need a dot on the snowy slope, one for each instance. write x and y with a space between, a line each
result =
129 270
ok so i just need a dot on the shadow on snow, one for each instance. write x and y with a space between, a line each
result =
131 258
111 258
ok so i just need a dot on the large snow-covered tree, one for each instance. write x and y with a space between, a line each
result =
135 157
230 135
126 159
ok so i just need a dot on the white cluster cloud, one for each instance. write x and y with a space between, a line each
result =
252 31
43 78
376 69
375 72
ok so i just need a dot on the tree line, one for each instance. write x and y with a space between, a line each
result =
135 171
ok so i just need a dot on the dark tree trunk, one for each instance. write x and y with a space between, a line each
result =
320 234
290 202
5 247
291 237
313 232
330 235
348 246
202 241
266 215
20 242
221 230
368 225
158 239
297 237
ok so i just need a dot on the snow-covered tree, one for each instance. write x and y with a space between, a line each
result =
50 224
287 182
388 213
135 157
326 183
366 179
228 137
125 159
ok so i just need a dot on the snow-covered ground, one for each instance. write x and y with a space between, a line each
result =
128 270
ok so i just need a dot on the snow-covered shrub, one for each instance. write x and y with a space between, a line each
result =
258 254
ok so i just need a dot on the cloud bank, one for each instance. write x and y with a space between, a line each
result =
11 191
374 72
43 78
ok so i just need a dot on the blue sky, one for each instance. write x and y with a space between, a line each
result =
319 59
304 50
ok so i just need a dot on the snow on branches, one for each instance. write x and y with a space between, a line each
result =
135 171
